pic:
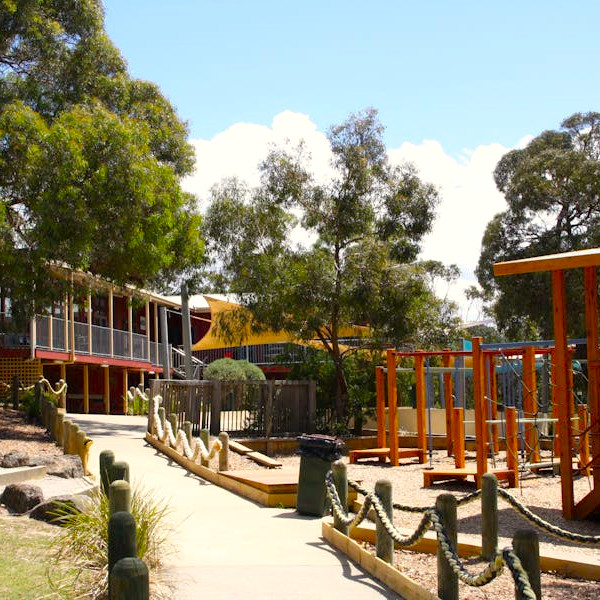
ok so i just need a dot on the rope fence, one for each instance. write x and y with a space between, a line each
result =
438 518
197 449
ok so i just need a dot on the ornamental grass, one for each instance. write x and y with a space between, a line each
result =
80 551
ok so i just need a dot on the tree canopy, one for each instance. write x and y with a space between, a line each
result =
365 223
552 189
90 158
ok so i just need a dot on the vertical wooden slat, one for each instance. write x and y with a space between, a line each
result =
380 406
480 409
449 403
530 404
593 356
421 393
562 391
392 406
458 435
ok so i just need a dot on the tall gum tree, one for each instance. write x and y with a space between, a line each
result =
552 189
90 158
365 224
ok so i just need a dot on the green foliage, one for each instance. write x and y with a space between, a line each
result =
552 188
367 222
90 159
251 372
31 405
359 370
228 369
82 543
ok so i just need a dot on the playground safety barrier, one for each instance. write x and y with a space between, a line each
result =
127 574
194 449
522 559
65 434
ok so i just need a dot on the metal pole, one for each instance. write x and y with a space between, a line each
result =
186 327
164 333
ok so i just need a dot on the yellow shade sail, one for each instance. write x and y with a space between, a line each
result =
212 342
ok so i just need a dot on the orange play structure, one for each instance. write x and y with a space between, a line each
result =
392 451
557 264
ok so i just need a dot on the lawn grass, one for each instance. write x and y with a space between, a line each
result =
25 558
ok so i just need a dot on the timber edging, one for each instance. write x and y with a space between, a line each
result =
377 568
286 500
560 563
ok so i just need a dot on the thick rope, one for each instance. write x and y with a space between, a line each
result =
433 519
553 529
180 442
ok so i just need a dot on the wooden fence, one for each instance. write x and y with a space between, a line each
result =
253 408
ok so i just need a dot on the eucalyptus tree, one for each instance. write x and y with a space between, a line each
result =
552 189
362 230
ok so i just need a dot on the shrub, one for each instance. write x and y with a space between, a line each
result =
82 544
251 372
225 369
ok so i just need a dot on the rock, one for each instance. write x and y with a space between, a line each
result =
21 497
15 459
65 466
50 510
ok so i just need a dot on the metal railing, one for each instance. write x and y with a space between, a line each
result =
125 345
258 354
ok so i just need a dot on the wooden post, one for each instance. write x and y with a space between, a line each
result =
449 403
312 405
111 322
554 406
447 579
129 579
187 429
125 381
383 541
86 390
66 436
224 452
530 404
340 478
512 440
215 409
480 410
493 379
205 437
119 470
584 449
106 390
130 325
458 435
107 458
562 391
392 390
421 392
593 365
121 538
527 547
119 496
489 516
380 406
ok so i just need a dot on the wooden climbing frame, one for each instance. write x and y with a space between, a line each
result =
557 264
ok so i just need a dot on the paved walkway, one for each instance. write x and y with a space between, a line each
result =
226 546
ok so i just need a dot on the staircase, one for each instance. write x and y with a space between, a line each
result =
178 364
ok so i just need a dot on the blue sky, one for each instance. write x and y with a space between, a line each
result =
457 83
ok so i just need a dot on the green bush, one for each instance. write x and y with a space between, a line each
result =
31 406
227 369
82 544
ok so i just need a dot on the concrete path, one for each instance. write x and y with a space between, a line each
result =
226 546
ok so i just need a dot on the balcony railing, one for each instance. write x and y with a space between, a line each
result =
258 354
50 335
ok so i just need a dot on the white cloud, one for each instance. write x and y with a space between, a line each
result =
469 198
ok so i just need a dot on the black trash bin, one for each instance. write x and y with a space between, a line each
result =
317 452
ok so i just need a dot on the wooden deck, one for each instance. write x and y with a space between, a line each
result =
272 481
